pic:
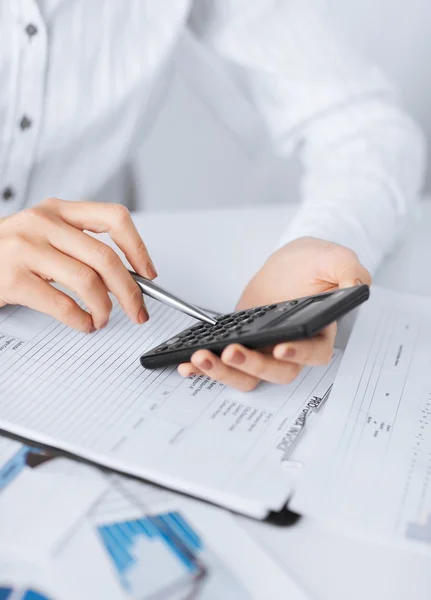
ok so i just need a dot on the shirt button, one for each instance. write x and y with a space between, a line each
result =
31 30
25 123
8 193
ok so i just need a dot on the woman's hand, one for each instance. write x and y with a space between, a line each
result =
304 267
48 243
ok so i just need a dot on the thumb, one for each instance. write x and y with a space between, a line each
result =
352 272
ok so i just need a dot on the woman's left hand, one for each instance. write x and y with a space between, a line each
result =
303 267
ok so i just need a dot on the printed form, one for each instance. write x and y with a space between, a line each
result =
368 467
88 394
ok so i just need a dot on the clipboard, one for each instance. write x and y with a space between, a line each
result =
283 518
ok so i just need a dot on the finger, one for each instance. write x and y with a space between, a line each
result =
76 276
211 365
102 259
349 271
187 369
114 219
314 351
39 295
258 365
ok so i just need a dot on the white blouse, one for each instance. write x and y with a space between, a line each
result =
81 81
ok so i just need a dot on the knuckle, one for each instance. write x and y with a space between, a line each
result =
14 245
106 255
65 306
35 217
141 247
11 280
50 202
121 214
32 213
88 278
135 294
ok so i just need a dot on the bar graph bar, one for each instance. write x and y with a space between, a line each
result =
125 543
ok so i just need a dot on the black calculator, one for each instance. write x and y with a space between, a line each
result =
259 327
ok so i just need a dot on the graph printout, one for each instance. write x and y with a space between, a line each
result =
369 466
89 535
123 548
88 394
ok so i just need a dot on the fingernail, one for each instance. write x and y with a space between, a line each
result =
237 358
358 282
104 324
143 315
151 270
289 352
92 329
205 364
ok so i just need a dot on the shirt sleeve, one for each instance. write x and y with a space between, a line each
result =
363 157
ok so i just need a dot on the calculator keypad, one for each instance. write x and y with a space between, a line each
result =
228 326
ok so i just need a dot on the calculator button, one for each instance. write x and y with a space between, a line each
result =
272 306
173 341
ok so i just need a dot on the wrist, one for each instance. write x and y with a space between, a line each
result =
339 233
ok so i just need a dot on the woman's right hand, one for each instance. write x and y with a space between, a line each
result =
48 243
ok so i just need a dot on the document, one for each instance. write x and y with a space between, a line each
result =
25 496
88 394
130 540
368 466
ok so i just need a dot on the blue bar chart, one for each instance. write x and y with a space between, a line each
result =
131 544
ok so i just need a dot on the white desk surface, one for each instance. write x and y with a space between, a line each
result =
215 253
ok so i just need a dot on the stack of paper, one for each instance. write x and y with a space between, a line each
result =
368 469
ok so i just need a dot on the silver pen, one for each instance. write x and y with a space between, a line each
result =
154 291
